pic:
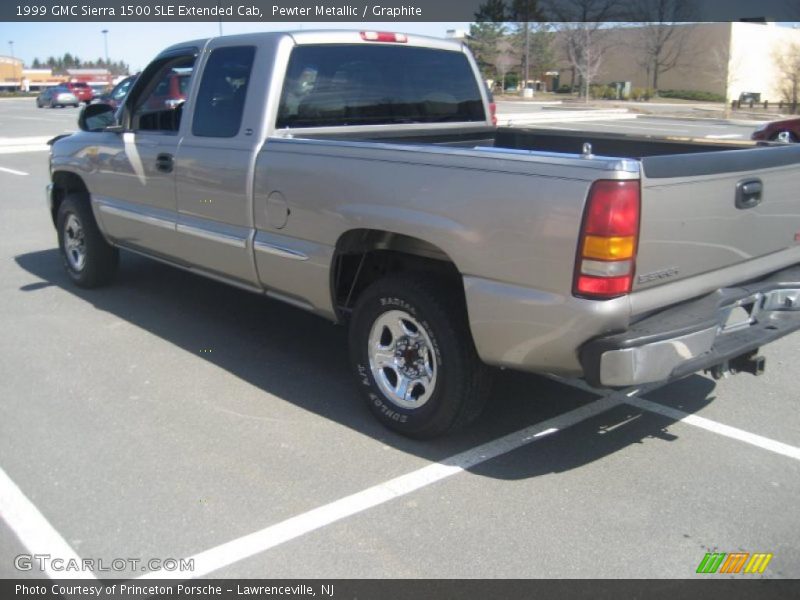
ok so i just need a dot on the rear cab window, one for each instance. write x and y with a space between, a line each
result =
343 85
220 100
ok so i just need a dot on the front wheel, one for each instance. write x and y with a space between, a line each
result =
90 261
414 357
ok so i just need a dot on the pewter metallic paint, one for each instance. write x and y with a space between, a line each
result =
264 210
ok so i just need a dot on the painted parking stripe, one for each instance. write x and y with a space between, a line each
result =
709 425
34 530
12 171
249 545
634 398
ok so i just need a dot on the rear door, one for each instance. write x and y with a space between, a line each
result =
214 163
704 212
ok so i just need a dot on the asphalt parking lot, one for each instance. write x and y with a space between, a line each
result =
169 416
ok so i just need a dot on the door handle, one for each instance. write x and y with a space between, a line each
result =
749 193
164 162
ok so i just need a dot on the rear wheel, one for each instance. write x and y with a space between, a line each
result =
90 261
787 134
414 357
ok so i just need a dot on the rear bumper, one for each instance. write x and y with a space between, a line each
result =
696 335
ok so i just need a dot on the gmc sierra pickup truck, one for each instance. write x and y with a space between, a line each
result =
360 176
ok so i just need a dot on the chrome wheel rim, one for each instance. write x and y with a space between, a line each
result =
402 359
74 243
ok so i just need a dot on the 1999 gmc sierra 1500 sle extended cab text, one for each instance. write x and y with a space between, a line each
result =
359 175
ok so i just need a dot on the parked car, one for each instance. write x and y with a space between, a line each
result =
358 175
56 96
115 96
82 90
170 92
772 131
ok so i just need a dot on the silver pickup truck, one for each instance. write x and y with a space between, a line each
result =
360 176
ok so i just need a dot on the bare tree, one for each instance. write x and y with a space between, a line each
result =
584 26
788 63
662 40
504 63
726 68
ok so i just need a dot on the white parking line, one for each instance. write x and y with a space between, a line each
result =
34 530
249 545
12 171
641 403
709 425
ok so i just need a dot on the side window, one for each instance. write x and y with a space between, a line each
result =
121 90
160 106
220 100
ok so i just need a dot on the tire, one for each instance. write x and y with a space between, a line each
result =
792 137
90 261
423 324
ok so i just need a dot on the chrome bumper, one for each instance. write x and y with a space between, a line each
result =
697 335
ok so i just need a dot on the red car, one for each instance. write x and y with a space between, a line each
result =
772 131
82 90
170 91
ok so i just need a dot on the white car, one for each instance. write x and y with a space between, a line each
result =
56 96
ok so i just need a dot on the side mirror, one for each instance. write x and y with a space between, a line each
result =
97 117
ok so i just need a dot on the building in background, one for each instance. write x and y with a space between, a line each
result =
10 73
726 59
90 76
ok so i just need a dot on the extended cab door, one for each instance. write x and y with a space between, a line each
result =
136 197
215 161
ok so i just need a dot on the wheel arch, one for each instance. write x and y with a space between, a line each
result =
362 256
64 184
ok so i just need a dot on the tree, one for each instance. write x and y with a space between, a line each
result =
524 12
662 37
483 41
584 28
788 64
520 12
504 62
539 41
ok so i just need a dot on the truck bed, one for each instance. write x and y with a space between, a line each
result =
692 221
542 140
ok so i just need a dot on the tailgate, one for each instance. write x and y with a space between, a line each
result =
703 212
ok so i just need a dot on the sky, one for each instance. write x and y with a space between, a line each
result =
138 43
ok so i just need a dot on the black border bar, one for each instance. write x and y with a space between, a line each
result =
333 11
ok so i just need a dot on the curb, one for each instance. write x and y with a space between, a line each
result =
563 116
720 120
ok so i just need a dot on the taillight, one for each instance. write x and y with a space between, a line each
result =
384 36
493 113
609 239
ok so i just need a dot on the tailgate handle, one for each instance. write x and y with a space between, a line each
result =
749 193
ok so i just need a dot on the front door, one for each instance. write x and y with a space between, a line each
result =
137 201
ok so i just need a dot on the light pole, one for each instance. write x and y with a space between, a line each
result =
105 43
11 45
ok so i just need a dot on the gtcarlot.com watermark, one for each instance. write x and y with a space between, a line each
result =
47 563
